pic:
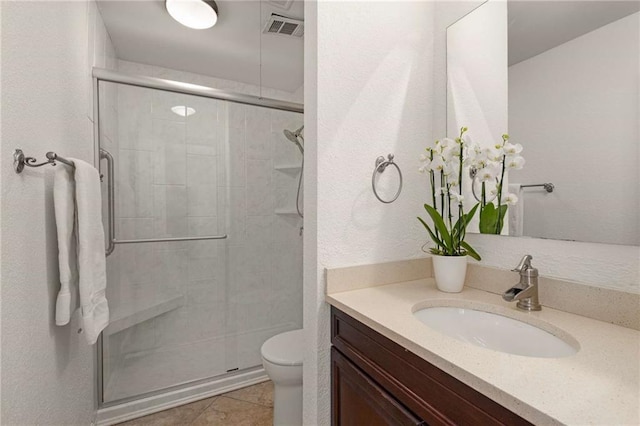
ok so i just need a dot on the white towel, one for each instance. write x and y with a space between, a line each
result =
64 206
516 212
91 261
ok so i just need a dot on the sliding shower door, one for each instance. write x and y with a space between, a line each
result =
192 167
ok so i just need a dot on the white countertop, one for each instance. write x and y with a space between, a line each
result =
599 385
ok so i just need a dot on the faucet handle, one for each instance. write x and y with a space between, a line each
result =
524 264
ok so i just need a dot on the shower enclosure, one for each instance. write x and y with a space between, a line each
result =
207 260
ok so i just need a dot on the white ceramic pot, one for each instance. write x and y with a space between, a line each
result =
450 272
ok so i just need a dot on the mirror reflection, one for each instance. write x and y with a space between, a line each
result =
561 78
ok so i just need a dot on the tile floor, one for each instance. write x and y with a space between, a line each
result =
250 406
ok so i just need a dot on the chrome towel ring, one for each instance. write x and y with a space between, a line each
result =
381 166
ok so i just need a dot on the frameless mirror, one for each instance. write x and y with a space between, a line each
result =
561 78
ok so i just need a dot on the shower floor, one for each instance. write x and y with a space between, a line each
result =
149 371
252 405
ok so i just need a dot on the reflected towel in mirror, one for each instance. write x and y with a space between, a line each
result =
516 212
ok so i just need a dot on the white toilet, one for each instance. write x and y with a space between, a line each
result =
282 360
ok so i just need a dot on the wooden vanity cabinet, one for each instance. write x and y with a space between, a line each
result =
378 382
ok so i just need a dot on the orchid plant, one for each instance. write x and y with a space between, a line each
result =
444 163
490 166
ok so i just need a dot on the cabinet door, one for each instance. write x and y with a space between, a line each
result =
357 400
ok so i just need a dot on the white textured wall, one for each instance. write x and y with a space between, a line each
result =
586 115
598 264
47 49
368 76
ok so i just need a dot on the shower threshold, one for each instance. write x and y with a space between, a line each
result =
120 411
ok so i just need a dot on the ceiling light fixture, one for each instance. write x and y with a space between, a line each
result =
196 14
183 111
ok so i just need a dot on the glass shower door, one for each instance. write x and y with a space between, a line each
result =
168 299
188 166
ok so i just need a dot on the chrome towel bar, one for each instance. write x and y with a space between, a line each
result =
549 187
20 160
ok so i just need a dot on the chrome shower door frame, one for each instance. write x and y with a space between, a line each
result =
104 75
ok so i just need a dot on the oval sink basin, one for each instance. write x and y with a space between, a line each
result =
495 332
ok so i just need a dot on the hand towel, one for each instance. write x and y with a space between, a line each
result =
516 212
64 209
91 255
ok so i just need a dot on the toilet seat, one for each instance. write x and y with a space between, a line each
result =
285 349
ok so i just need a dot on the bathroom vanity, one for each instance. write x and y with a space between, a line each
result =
388 367
377 381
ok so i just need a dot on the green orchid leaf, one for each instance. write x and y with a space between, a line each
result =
471 213
462 223
470 251
431 234
488 219
503 211
440 226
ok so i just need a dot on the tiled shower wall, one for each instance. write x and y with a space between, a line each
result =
214 172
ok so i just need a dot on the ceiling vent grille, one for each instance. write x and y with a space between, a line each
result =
281 25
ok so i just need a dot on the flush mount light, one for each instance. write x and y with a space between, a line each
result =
196 14
183 111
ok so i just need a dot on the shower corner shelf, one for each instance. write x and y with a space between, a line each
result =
127 314
286 212
288 167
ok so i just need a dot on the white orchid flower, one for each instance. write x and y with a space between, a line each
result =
471 154
446 143
466 140
481 159
457 197
479 164
512 149
423 169
437 164
451 169
424 158
449 153
511 199
487 174
495 154
515 162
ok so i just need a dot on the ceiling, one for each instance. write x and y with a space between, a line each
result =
143 31
537 26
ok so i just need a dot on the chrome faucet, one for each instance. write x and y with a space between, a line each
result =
526 291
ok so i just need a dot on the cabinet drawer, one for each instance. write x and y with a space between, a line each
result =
357 400
427 391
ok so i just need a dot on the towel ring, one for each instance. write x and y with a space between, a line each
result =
473 174
381 165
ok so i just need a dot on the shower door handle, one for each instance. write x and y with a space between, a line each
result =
111 203
170 239
111 215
